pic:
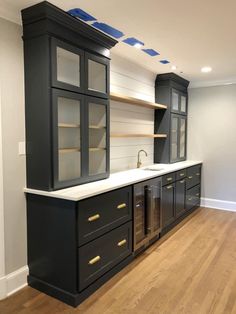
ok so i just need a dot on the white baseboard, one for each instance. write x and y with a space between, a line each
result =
13 282
218 204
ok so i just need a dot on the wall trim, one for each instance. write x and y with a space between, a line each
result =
218 204
198 84
13 282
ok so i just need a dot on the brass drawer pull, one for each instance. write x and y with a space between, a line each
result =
169 179
190 177
198 194
121 243
181 174
190 198
123 205
169 187
93 218
182 181
94 260
197 174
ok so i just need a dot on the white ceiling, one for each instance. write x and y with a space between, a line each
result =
190 34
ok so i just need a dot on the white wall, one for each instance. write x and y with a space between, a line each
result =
129 79
212 138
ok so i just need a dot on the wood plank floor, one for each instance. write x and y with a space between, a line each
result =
192 270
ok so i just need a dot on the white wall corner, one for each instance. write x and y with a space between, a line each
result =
218 204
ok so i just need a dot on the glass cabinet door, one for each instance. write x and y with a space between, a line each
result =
97 75
68 109
174 138
183 104
67 66
98 136
182 138
175 101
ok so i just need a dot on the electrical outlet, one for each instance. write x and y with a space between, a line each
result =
21 148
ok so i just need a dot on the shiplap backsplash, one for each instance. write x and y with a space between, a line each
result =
131 80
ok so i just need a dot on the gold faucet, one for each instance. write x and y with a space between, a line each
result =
139 163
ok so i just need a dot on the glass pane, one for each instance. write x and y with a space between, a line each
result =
139 218
182 137
174 138
68 67
175 101
97 76
97 139
183 104
69 162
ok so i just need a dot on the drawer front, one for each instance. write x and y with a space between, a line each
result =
100 255
193 197
181 174
168 178
193 176
102 213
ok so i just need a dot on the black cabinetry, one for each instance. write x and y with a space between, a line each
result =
67 99
171 90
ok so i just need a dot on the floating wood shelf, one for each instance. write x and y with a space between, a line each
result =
136 101
68 125
138 135
69 150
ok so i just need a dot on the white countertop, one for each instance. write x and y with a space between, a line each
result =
116 180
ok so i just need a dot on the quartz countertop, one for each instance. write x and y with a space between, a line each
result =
115 181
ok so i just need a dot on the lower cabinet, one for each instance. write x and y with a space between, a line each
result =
180 197
168 204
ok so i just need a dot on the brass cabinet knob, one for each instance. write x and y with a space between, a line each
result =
94 217
121 243
94 260
120 206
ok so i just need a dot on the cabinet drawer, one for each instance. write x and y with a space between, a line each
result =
100 255
102 213
168 178
193 176
193 197
181 174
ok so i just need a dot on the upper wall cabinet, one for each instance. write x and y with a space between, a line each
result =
171 89
67 99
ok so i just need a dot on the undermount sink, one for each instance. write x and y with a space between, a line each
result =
153 168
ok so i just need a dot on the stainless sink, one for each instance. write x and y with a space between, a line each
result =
153 168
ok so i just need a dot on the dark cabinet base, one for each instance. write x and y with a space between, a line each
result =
76 299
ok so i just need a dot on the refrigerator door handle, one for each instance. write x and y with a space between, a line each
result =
148 209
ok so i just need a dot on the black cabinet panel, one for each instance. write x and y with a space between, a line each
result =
168 178
193 197
168 205
193 176
100 255
180 195
181 174
103 213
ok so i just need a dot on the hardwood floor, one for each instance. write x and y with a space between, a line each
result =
192 270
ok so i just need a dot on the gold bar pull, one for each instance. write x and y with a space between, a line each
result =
190 198
93 218
94 260
169 179
169 187
182 181
121 243
181 174
120 206
197 174
190 177
198 194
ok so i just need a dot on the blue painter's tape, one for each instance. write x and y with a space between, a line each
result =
108 29
151 52
133 41
82 15
164 61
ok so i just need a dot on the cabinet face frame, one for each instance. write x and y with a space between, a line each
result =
56 43
104 61
180 94
55 146
179 117
104 103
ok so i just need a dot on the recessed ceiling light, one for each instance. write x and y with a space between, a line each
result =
206 69
174 67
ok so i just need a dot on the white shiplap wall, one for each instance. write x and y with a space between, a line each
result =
129 79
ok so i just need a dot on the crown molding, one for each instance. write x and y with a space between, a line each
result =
212 83
9 14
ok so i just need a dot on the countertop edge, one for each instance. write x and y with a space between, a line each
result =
148 175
